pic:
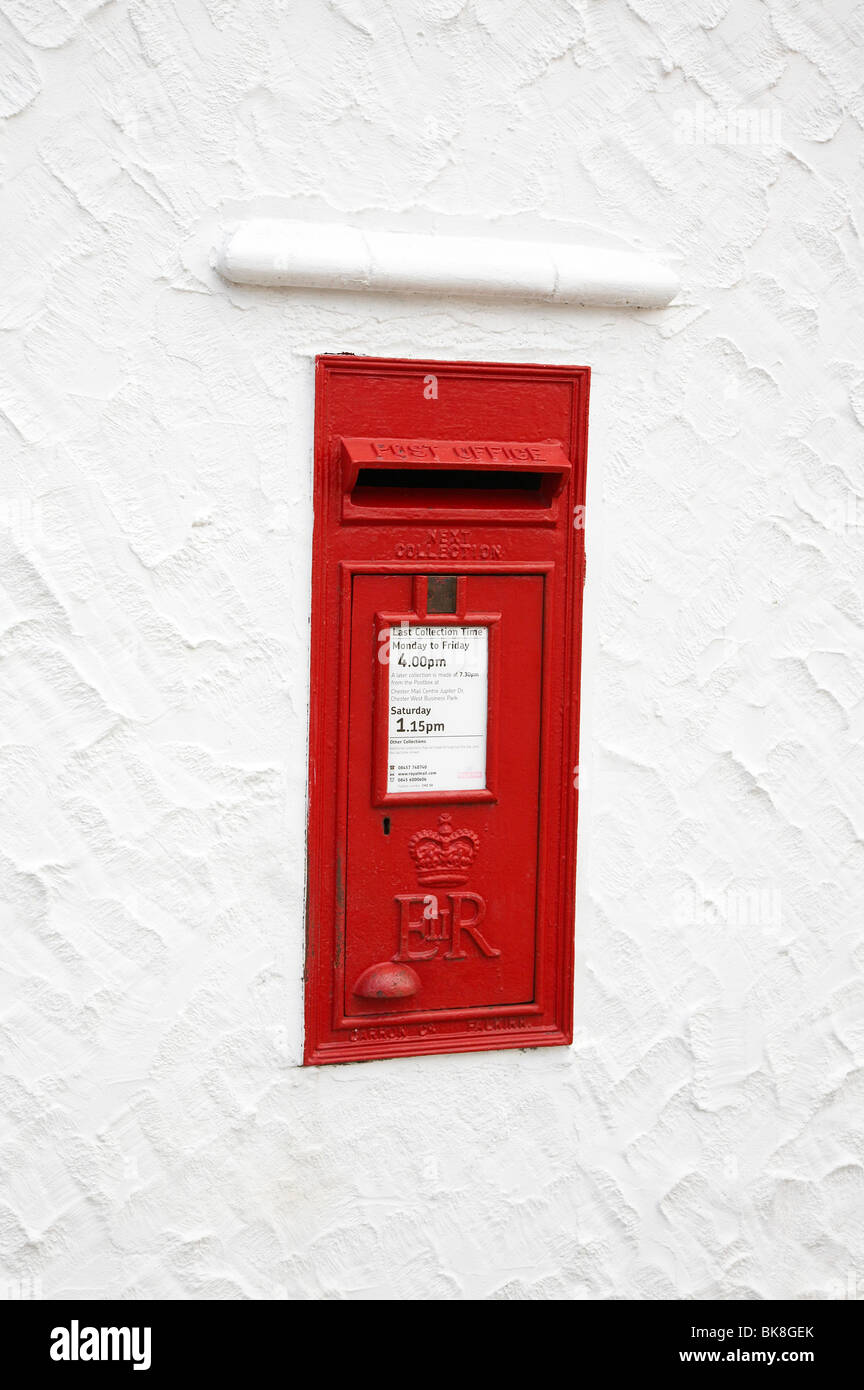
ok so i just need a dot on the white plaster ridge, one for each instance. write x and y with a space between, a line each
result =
278 252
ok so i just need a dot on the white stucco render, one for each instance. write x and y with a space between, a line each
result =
703 1136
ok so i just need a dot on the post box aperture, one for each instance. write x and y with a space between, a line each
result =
447 579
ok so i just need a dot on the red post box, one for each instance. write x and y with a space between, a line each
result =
446 610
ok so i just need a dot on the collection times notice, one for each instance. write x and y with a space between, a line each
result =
437 708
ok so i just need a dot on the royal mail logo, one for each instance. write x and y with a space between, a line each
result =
430 921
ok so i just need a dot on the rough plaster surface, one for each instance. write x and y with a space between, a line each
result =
703 1136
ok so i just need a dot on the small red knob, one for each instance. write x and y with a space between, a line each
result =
387 980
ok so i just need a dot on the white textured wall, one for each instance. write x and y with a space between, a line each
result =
703 1136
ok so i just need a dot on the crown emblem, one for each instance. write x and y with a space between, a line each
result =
444 855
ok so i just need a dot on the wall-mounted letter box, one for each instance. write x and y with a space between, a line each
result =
447 593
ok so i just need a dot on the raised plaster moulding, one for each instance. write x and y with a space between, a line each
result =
312 255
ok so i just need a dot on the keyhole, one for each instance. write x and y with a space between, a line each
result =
386 824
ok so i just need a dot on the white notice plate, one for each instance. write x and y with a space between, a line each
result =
438 707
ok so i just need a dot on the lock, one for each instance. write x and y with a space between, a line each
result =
446 621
